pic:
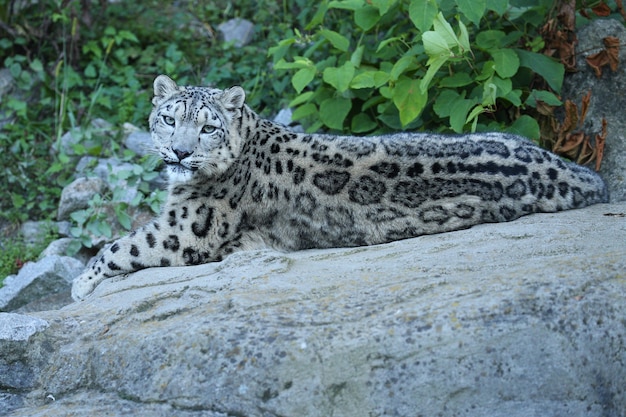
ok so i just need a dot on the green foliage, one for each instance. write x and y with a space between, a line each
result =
13 256
368 66
96 220
75 61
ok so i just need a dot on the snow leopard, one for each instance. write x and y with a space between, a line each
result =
240 182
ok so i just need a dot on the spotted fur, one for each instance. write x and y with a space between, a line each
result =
239 182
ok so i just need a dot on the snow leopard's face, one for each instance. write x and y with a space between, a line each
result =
191 128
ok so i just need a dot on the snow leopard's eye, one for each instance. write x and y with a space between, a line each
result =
207 129
169 120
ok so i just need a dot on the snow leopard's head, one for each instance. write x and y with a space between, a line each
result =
192 128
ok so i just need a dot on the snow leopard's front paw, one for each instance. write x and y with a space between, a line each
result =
84 284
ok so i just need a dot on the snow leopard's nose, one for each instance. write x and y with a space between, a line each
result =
181 154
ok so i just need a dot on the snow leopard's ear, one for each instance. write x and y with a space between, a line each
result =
164 87
233 98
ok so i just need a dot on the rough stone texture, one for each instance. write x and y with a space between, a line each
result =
19 327
239 31
51 275
77 194
512 319
60 247
607 95
140 143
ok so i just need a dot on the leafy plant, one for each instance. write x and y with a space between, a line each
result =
75 61
454 65
15 255
95 223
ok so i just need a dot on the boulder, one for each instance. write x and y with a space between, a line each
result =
41 279
511 319
140 143
76 195
239 31
606 96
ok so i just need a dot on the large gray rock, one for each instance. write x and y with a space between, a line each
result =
607 99
76 195
239 31
140 142
513 319
49 276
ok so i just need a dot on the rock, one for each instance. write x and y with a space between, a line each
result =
510 319
15 332
284 117
239 31
18 327
77 194
59 247
606 96
35 232
35 280
140 143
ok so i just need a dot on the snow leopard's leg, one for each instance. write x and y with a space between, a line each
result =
172 240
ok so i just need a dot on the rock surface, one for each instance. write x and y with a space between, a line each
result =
35 280
606 95
512 319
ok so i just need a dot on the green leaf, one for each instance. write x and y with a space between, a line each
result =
366 17
464 41
341 77
435 44
302 78
541 95
299 62
473 116
458 114
346 4
474 10
361 123
402 65
333 111
525 126
433 66
507 62
460 79
443 28
490 39
498 6
369 79
123 218
36 65
409 98
422 13
444 101
551 70
337 40
304 111
302 98
17 200
383 6
357 56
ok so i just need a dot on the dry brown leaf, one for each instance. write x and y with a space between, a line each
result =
597 61
602 10
612 48
586 152
608 56
571 117
584 107
572 141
